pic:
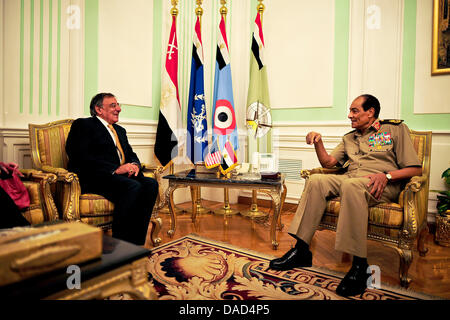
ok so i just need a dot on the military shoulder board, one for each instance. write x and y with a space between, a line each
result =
391 121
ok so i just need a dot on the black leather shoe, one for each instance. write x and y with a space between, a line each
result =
354 282
294 258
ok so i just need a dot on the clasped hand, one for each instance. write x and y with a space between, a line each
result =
378 181
128 168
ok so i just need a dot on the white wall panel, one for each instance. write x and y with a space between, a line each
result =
125 50
299 38
376 33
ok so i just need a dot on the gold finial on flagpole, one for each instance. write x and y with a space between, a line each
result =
260 7
174 10
199 10
223 10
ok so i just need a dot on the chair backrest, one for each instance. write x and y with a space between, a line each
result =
48 143
422 143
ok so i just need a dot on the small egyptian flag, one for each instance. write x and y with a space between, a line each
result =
229 158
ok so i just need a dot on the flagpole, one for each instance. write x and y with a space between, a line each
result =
254 212
196 192
171 166
226 209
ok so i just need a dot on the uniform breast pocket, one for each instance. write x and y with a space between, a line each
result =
381 148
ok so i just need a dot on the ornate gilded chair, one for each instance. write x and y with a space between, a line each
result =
48 142
397 225
42 206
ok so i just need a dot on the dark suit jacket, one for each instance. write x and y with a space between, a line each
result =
92 152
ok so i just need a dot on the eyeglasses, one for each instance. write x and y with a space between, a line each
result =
113 105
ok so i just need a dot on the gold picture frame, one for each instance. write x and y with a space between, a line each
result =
441 38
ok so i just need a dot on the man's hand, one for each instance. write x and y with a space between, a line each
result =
313 137
326 160
128 168
378 181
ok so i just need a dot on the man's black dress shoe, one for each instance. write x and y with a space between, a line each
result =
294 258
354 282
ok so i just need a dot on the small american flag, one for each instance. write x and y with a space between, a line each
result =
213 160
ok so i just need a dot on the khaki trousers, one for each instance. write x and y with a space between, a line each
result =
351 232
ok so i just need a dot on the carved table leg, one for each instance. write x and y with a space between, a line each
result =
276 214
156 228
283 198
173 221
194 193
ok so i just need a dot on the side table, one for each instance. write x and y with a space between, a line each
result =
120 269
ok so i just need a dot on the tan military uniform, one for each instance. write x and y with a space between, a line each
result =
385 146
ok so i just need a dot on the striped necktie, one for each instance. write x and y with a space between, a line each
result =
119 147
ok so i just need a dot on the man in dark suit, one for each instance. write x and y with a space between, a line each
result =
99 153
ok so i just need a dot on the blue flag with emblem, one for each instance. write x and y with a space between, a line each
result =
197 128
224 123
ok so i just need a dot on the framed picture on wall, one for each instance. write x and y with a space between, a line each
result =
441 38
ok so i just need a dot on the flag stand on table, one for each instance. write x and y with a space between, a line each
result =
197 134
224 123
258 93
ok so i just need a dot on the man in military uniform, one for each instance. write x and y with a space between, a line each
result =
378 156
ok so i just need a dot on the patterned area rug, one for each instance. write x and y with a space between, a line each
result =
196 268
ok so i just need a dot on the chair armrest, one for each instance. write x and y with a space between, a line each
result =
414 205
68 192
44 180
61 173
153 171
306 173
416 183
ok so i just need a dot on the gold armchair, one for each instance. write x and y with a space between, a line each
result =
42 207
48 142
397 225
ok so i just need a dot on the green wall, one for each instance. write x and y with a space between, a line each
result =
340 89
436 121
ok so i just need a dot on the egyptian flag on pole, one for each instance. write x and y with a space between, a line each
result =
197 127
223 116
258 89
167 140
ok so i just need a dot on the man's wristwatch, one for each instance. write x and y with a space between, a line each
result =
388 176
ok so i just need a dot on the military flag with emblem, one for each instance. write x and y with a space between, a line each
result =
259 120
197 128
224 123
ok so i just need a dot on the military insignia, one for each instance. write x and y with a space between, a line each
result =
391 121
376 125
378 140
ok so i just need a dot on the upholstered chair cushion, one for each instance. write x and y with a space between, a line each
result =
95 210
35 213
